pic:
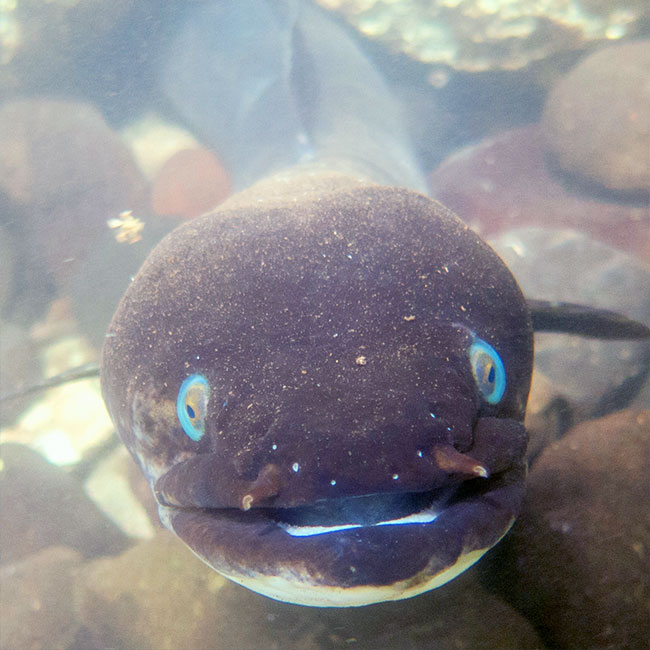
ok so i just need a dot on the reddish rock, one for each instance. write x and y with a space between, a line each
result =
37 603
189 184
505 182
597 118
71 172
578 560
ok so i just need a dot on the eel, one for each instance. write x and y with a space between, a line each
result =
325 382
325 379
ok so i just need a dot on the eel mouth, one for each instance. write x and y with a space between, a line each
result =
353 549
346 513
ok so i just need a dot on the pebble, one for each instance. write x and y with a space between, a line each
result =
596 120
190 183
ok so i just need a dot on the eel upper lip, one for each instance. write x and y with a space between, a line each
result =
203 482
198 483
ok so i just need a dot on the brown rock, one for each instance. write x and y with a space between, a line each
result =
158 596
43 506
36 602
578 560
40 40
597 119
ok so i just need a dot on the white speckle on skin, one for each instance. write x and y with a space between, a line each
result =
333 482
419 453
395 477
295 467
274 446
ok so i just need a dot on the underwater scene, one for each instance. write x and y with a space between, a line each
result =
324 324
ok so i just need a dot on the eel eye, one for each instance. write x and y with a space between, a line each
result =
192 405
489 373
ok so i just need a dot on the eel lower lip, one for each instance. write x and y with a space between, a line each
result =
291 555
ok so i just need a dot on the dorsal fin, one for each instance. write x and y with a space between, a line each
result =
593 322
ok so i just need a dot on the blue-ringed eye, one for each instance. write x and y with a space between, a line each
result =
192 405
488 370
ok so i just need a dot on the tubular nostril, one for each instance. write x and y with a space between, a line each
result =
266 485
451 461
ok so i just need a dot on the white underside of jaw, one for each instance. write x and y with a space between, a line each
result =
425 516
296 589
292 586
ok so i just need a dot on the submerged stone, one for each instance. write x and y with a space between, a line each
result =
36 601
597 123
505 182
42 506
578 561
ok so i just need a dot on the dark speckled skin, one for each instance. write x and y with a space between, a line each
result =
274 298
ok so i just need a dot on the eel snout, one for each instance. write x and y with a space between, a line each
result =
204 481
